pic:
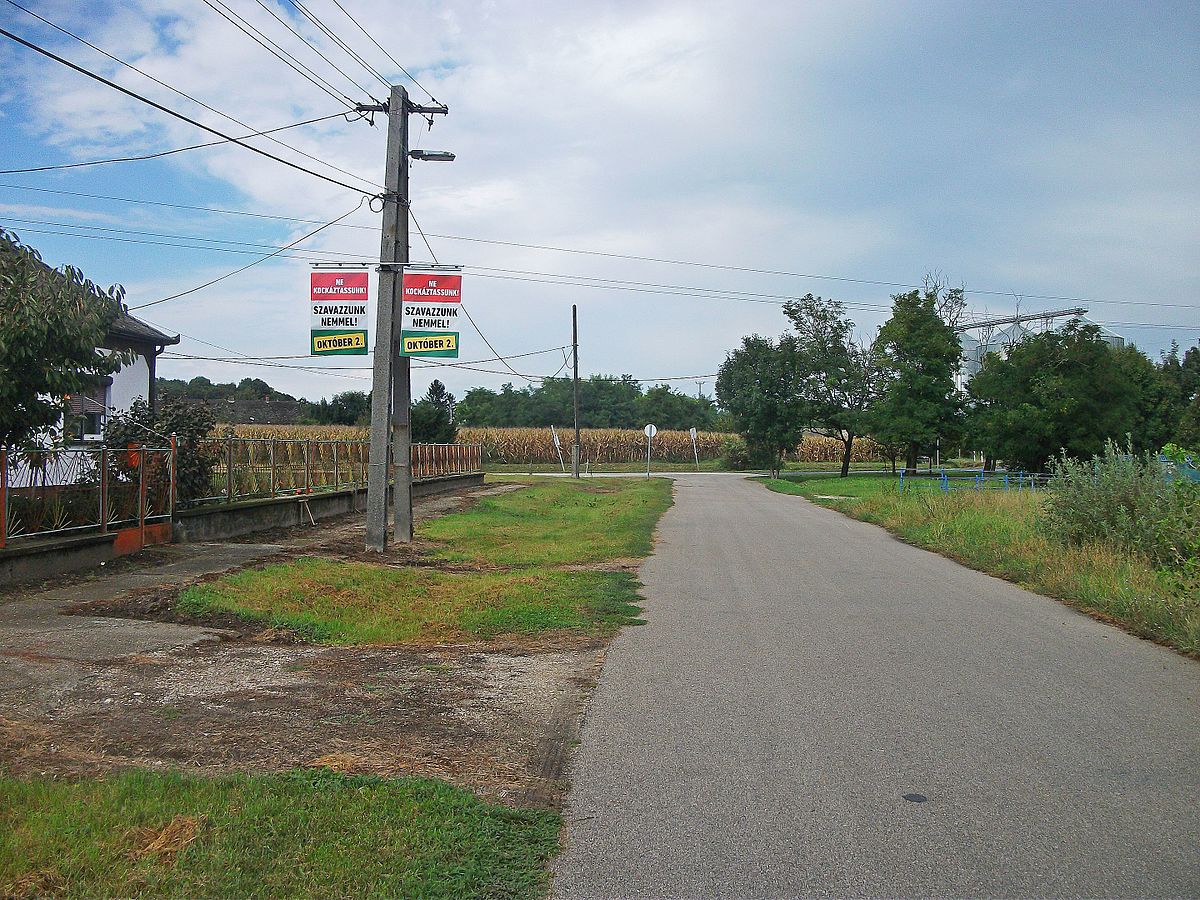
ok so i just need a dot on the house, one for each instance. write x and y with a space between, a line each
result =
116 393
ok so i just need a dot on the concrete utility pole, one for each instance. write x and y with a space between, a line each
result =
575 359
391 385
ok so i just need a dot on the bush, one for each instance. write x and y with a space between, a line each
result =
1128 500
734 455
189 422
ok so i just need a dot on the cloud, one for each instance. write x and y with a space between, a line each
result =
805 138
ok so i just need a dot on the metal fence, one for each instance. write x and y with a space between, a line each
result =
948 480
263 468
67 491
103 489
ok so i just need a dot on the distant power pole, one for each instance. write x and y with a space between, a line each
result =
575 359
391 384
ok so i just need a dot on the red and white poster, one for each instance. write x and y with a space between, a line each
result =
338 303
430 310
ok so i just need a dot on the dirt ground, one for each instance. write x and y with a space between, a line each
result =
99 673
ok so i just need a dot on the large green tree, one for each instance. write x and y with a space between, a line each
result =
761 385
432 416
51 324
841 372
918 352
1061 390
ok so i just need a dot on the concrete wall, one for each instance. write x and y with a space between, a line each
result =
47 558
222 521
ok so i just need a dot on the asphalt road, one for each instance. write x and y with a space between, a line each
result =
801 673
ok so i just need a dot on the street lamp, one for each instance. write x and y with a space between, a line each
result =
432 155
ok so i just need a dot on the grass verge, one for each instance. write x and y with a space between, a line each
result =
332 602
302 834
999 532
535 561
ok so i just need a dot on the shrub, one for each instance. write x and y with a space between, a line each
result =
734 455
1129 500
189 422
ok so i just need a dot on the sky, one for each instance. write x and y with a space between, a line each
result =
1040 155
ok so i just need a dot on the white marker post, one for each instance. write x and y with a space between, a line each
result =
558 447
650 431
695 449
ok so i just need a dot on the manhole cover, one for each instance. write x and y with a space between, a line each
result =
915 798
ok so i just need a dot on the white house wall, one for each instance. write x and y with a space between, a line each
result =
130 383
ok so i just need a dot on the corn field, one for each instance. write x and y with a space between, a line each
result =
599 445
297 432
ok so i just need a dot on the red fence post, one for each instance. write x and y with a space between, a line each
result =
3 496
104 490
142 493
174 481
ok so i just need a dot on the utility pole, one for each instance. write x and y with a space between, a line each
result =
391 386
575 358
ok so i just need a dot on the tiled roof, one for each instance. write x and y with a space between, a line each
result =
134 329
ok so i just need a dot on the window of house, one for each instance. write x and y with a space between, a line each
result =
86 414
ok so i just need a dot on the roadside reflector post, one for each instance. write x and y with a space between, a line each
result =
650 431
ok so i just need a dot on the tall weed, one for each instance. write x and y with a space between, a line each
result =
1127 500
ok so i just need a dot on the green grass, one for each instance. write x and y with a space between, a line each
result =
303 834
557 521
332 602
540 554
1000 532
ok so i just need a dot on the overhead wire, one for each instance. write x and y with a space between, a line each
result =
162 153
380 47
178 115
426 235
290 27
303 10
366 260
263 259
185 94
463 306
277 51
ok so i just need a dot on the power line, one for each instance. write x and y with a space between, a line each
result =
471 362
278 52
385 52
201 287
354 258
463 306
426 235
162 153
351 258
337 40
186 95
288 25
177 115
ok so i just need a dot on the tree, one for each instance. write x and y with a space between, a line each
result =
432 416
1063 390
840 383
918 354
672 410
190 422
52 322
761 385
1187 433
